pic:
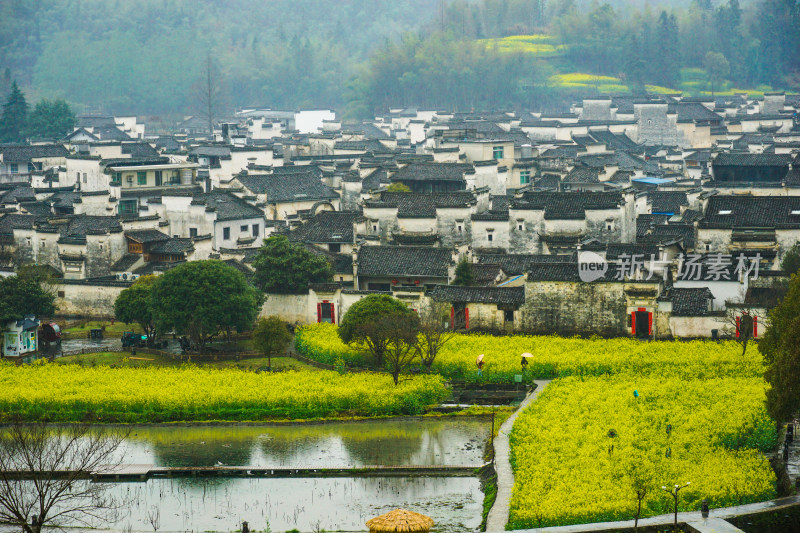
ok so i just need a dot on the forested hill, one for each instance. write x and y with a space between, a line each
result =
144 55
357 56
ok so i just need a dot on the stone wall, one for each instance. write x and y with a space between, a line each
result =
292 308
569 308
78 298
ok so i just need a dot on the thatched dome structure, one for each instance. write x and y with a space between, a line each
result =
400 521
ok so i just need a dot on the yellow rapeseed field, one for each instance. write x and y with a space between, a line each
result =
59 393
578 449
556 356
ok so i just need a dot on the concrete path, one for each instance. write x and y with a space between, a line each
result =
693 518
713 525
498 514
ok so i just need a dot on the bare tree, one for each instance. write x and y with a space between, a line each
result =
209 97
434 331
45 475
401 333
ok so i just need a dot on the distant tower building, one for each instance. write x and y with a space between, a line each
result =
655 125
597 108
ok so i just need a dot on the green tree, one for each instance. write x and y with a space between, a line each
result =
790 263
51 119
134 305
365 323
780 346
15 115
271 337
203 298
284 267
717 69
30 292
464 274
398 187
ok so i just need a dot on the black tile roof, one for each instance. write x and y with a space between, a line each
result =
411 204
582 174
752 160
644 251
375 179
553 272
367 129
212 151
689 111
567 204
124 263
21 193
173 246
25 153
752 211
484 295
404 261
326 227
12 221
371 145
614 141
227 206
667 201
288 187
486 272
516 264
689 301
433 171
139 150
663 233
146 235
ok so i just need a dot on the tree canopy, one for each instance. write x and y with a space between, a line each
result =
15 116
134 305
51 119
464 273
298 53
271 336
284 267
201 299
790 264
781 348
27 293
366 323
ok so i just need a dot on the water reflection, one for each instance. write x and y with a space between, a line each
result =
307 504
392 442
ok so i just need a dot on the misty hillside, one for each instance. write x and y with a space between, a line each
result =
357 55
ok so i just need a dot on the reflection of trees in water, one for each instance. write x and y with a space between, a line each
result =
431 441
199 446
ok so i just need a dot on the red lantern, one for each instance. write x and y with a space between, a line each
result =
394 282
416 282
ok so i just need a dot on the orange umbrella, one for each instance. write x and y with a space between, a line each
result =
480 358
526 355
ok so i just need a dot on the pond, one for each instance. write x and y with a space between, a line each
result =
307 504
304 503
420 441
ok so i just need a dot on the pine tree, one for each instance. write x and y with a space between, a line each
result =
52 119
464 274
15 114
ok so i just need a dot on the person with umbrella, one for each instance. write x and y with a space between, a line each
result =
479 363
524 362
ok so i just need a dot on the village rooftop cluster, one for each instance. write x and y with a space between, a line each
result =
651 186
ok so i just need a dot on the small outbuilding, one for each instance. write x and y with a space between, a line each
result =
21 337
400 521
